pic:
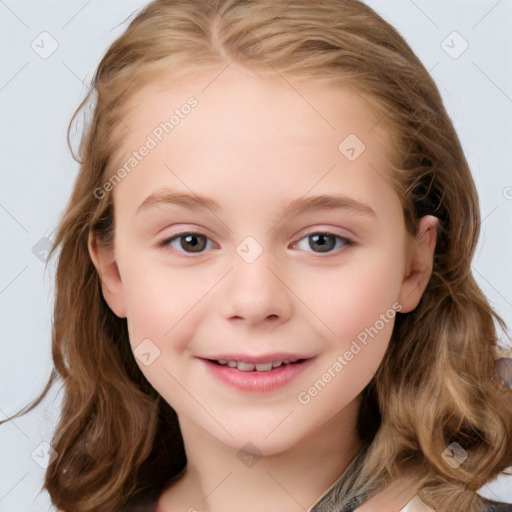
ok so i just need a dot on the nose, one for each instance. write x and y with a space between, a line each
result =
256 292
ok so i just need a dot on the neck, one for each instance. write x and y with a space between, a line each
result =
221 478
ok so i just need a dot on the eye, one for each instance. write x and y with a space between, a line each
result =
188 241
324 241
195 243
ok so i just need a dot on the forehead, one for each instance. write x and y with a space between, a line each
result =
245 130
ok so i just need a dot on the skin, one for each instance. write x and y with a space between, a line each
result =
253 144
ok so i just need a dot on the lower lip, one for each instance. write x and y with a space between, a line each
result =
256 382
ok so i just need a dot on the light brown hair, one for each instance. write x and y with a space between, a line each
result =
436 384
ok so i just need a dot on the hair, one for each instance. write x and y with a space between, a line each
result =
436 384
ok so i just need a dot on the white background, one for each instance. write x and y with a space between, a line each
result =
37 99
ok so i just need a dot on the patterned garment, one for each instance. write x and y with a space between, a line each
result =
495 506
416 505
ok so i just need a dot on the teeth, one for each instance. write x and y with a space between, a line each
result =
249 367
245 367
264 367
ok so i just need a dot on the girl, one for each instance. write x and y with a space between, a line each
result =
216 352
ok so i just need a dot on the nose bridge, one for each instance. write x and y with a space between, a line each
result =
254 292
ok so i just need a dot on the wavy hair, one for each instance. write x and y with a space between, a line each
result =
436 385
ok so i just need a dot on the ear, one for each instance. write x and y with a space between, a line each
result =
419 264
111 284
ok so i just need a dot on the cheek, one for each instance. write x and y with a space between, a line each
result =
162 318
353 296
160 305
359 309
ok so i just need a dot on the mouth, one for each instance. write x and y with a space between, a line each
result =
264 375
262 367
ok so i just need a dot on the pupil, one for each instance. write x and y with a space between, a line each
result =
319 240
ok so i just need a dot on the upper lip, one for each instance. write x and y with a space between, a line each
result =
265 358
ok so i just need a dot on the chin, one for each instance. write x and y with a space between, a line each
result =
260 442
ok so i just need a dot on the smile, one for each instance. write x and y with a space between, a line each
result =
261 377
259 367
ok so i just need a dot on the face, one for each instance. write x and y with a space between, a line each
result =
242 276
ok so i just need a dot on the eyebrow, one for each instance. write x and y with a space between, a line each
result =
166 197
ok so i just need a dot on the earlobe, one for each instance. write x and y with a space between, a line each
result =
105 263
420 264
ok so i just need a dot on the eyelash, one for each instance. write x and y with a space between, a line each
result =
166 241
